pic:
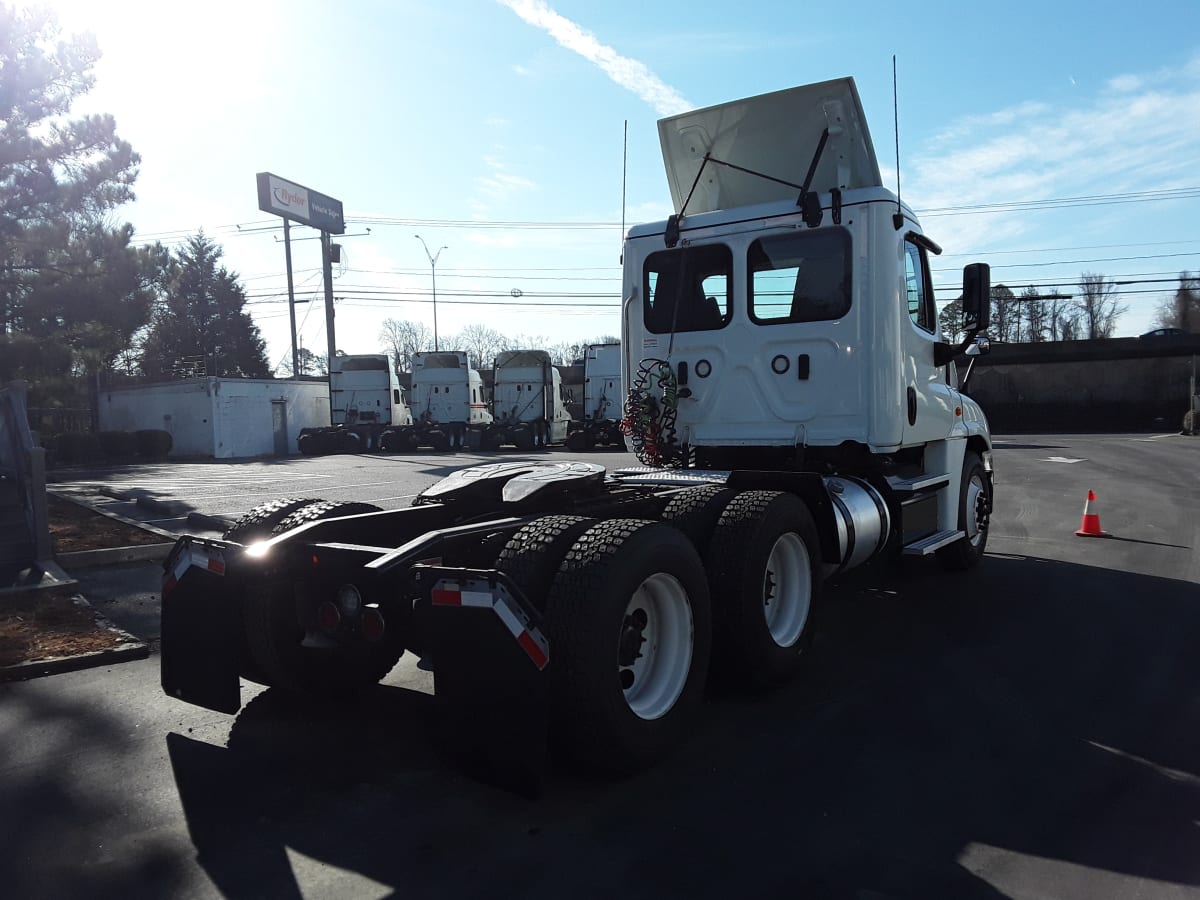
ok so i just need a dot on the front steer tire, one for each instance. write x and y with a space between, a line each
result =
600 720
974 516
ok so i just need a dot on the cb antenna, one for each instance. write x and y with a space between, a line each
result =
624 173
898 218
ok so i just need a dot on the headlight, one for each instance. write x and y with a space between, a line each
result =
349 600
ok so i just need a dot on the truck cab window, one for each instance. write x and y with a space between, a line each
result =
801 277
687 289
917 289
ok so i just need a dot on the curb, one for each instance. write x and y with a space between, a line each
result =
116 495
82 559
115 555
130 648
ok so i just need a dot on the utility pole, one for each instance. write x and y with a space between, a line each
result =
327 268
433 258
287 255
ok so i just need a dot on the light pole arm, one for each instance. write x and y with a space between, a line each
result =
433 258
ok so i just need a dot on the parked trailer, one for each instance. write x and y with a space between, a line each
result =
448 406
366 400
601 423
529 406
797 414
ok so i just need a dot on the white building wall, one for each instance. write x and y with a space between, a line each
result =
224 418
182 408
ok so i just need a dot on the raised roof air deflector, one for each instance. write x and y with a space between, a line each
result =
774 134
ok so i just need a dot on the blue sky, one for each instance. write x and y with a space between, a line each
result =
455 119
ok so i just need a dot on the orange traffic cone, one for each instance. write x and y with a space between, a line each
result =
1090 527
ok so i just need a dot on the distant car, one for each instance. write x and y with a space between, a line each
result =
1165 332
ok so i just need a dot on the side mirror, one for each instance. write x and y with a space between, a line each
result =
977 297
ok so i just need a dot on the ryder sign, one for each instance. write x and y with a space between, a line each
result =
296 202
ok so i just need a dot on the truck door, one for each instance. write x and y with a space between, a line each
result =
929 400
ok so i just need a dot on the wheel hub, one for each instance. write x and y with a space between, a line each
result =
633 636
654 646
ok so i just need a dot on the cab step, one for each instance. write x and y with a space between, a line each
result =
937 541
919 483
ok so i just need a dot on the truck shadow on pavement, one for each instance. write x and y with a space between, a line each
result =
1032 724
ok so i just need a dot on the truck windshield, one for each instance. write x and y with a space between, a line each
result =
687 289
801 277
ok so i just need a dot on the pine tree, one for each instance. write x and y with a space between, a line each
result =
201 326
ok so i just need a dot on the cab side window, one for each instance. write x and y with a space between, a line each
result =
918 290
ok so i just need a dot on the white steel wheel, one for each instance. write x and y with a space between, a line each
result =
977 510
787 589
654 652
974 516
763 563
630 628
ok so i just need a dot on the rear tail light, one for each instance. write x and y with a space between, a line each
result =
373 625
328 617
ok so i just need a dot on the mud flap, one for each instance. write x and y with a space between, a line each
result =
490 681
200 627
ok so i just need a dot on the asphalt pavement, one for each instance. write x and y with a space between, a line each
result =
1028 729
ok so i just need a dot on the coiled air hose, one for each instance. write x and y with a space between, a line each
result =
650 422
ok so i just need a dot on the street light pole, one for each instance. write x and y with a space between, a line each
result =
433 258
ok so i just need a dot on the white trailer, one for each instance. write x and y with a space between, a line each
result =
601 422
448 407
798 415
529 407
365 400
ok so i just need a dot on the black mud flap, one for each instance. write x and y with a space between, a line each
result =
489 659
200 626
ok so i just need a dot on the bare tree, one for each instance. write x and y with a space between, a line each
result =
481 344
1098 308
950 321
310 363
568 353
1033 307
1183 309
402 338
1006 315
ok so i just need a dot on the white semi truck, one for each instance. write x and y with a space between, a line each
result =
797 413
601 422
448 407
366 399
529 407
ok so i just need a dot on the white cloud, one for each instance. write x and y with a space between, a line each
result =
628 73
1125 83
1142 134
499 184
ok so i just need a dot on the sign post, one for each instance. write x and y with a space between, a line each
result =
296 203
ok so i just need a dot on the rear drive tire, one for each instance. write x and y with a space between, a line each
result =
764 567
533 554
696 510
322 509
974 516
260 522
629 624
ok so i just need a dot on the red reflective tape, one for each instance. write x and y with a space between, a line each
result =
169 584
539 657
442 597
216 565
